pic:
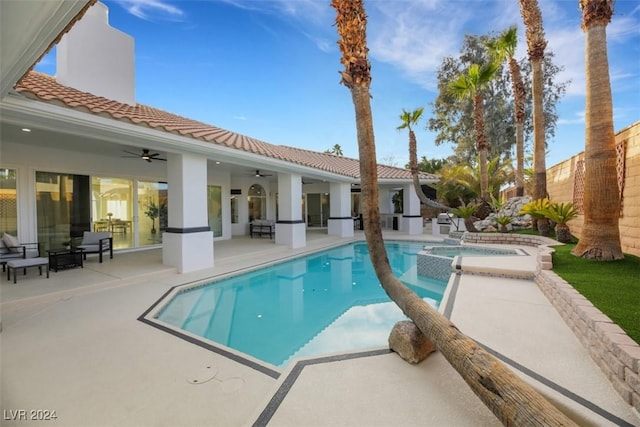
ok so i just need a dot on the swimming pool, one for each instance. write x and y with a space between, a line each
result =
322 303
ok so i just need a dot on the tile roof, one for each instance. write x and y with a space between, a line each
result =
43 87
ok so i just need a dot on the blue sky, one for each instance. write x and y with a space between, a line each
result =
269 68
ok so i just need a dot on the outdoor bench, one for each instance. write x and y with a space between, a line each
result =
262 229
25 263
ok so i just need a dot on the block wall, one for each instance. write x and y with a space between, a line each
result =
561 187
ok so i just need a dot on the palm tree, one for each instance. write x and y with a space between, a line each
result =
468 176
536 44
600 237
504 48
561 214
469 85
337 150
511 399
410 119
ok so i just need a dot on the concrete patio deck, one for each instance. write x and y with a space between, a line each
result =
73 344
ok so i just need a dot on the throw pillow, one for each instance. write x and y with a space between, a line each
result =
11 242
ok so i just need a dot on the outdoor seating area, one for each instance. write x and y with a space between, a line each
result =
15 256
12 249
262 228
96 243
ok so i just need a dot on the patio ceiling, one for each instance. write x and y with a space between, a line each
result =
27 29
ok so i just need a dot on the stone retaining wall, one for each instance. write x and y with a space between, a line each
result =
608 345
508 239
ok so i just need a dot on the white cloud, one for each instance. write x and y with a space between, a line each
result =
577 118
144 9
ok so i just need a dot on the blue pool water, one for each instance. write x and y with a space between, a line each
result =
322 303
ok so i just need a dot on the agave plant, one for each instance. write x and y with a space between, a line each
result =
466 212
536 209
561 214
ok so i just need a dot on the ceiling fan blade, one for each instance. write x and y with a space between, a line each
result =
132 154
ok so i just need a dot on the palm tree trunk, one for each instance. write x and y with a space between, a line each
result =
413 167
512 400
539 145
519 94
481 141
600 237
536 44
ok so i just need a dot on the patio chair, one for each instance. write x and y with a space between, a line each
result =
96 243
12 249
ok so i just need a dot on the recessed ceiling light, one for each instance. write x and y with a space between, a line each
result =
26 130
217 163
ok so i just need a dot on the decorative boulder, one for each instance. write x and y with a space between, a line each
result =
411 344
511 209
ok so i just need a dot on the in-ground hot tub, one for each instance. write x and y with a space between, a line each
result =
435 261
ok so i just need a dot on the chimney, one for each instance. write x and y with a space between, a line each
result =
97 58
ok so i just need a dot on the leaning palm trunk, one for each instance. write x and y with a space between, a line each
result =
469 224
512 400
600 237
413 167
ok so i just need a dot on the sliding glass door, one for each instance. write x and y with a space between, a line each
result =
63 208
152 212
112 209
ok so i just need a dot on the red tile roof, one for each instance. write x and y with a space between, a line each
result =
45 88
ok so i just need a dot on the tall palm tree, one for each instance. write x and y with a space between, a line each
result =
504 48
410 119
600 234
536 45
511 399
469 85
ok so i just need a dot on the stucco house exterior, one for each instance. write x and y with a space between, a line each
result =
79 153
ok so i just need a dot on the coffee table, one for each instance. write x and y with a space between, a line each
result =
65 258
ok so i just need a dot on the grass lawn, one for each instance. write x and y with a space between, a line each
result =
613 287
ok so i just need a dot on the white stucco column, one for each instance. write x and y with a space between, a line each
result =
290 228
411 217
340 221
187 244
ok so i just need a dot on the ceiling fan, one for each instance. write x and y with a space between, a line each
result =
260 175
146 155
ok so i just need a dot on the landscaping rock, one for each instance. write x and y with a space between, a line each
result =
410 344
511 209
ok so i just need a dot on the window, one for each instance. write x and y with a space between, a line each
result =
214 209
8 202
